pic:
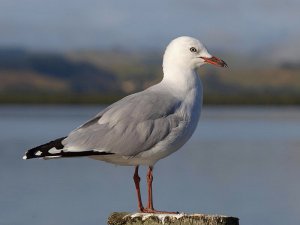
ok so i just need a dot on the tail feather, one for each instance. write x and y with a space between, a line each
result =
55 149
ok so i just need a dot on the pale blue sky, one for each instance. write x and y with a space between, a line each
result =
226 25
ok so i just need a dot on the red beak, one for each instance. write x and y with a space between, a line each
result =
215 61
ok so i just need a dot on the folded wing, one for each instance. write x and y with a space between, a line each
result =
132 125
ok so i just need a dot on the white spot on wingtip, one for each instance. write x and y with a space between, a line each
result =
24 157
54 151
38 153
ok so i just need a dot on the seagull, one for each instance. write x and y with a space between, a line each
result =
144 127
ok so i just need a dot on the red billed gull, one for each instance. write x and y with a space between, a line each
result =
147 126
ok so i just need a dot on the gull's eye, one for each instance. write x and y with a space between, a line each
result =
192 49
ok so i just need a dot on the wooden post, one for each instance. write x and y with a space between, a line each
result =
123 218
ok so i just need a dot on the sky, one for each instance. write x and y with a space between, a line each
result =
242 26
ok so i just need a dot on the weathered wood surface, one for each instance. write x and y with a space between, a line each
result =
123 218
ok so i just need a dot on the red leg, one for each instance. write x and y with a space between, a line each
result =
149 182
137 179
150 208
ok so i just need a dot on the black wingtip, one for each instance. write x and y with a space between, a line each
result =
42 150
55 149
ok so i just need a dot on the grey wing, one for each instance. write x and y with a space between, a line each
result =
129 126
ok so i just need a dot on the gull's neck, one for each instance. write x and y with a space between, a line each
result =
185 85
181 81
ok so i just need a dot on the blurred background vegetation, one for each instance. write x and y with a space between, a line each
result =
97 51
105 76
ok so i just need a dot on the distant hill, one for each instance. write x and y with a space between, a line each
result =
104 76
43 72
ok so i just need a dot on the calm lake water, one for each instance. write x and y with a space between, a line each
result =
241 161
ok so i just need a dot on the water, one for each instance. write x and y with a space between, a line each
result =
241 161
